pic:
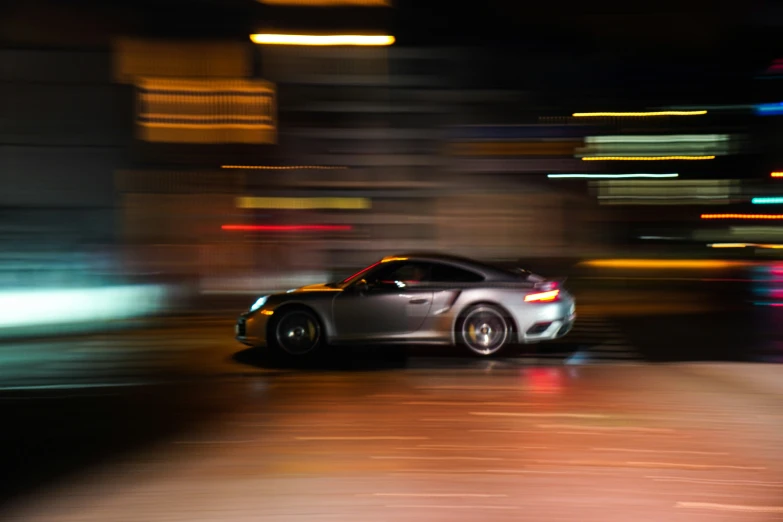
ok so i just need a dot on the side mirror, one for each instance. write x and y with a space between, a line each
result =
362 287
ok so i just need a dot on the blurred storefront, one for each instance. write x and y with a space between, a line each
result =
235 158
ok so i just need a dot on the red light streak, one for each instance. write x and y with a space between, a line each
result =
742 216
777 174
777 66
287 228
544 380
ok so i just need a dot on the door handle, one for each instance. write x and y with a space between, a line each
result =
418 301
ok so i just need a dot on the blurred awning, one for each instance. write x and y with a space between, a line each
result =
142 58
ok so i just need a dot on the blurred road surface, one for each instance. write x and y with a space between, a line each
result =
175 421
591 443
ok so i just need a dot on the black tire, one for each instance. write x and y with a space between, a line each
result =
296 332
484 330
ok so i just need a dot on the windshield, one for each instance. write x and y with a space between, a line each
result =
357 275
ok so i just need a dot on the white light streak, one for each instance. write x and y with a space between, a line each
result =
611 176
672 138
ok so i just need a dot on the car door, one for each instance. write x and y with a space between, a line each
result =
396 302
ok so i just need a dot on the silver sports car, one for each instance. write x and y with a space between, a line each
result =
414 298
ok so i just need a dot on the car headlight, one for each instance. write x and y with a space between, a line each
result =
259 303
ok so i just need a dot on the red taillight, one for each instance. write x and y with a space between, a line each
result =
542 297
286 228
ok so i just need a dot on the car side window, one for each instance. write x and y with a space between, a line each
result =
408 272
451 274
413 273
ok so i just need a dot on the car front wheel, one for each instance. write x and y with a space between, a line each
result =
296 332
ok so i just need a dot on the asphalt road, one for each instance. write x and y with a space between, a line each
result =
175 421
603 443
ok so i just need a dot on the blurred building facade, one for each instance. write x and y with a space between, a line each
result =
62 134
363 147
178 145
195 158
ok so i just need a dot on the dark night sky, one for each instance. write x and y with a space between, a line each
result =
568 24
615 24
677 31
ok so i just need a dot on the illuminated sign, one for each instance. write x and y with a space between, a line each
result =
206 111
674 192
693 145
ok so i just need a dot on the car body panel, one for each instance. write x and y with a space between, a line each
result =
416 312
380 313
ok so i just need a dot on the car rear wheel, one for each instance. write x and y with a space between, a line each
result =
296 331
484 330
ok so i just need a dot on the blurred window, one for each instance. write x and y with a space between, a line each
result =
409 272
451 274
419 272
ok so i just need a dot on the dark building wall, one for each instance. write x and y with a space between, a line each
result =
63 133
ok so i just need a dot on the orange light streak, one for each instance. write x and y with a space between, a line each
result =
742 216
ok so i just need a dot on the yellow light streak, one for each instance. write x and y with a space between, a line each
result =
283 167
742 216
743 245
322 40
206 86
637 114
647 158
304 203
329 3
205 117
661 263
205 126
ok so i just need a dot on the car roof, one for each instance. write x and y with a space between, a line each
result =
489 272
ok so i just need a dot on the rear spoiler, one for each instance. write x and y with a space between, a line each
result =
541 282
550 284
